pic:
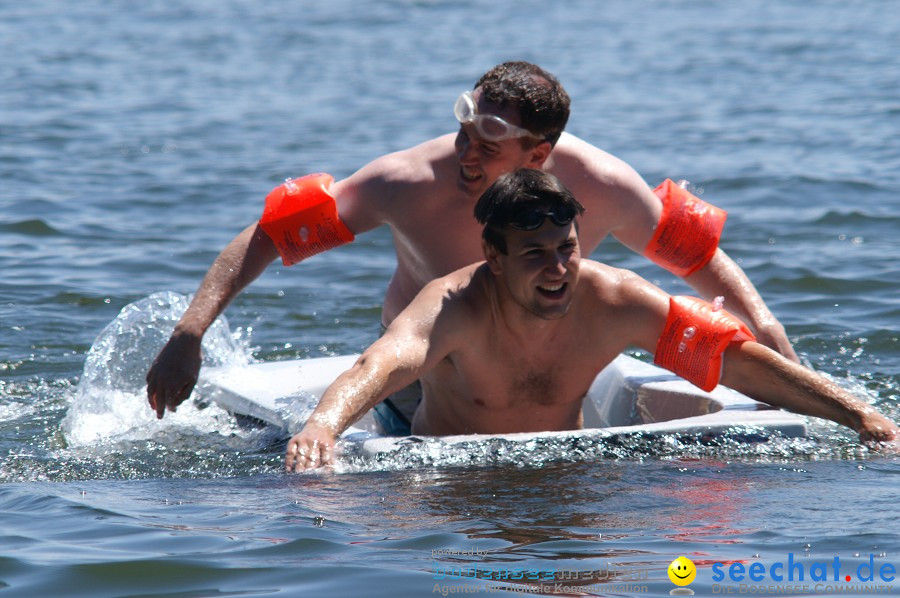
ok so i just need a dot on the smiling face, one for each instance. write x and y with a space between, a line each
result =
682 571
482 161
540 269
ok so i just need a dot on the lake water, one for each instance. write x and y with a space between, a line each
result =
136 139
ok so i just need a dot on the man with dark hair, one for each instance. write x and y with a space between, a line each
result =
513 344
540 100
505 201
513 119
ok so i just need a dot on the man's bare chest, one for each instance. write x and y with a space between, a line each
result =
508 377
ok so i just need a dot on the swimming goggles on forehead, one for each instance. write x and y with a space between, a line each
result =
533 219
489 126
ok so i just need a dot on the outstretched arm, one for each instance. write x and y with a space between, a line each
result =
174 371
415 341
766 376
748 367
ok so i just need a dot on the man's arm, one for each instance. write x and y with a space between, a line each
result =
376 374
174 372
413 344
766 376
639 211
753 369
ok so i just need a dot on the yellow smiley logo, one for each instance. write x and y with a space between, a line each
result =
682 571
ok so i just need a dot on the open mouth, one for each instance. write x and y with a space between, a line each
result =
468 175
553 291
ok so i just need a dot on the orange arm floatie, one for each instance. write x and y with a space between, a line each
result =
687 233
301 218
694 338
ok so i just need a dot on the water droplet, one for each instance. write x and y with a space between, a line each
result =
319 521
290 186
690 331
682 347
304 233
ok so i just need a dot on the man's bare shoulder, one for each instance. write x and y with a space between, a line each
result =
573 158
618 304
616 198
412 166
378 191
450 304
595 175
617 287
462 290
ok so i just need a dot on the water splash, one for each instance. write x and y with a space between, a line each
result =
110 402
745 444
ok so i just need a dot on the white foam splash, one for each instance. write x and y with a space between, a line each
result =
110 403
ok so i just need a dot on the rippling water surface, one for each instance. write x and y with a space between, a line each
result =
137 139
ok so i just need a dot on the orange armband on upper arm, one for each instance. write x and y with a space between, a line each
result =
302 220
688 230
694 338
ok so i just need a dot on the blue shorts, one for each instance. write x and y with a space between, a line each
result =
394 414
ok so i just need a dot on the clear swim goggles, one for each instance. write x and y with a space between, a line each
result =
489 126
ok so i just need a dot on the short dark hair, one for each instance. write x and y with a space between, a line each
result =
517 192
539 97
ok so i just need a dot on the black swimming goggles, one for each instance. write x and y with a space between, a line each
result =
533 219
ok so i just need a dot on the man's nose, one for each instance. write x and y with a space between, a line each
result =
466 150
556 264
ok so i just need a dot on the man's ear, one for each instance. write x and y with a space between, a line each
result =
539 154
492 256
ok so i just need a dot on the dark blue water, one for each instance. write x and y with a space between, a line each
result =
136 139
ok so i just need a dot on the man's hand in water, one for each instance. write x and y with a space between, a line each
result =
874 427
313 447
172 376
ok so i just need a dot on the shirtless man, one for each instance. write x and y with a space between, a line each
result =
513 119
513 344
